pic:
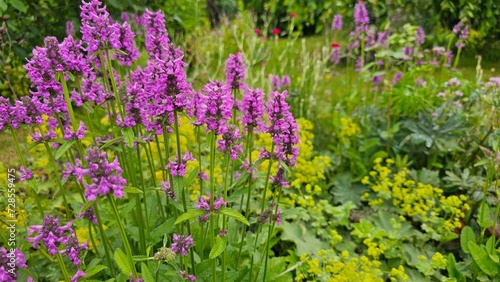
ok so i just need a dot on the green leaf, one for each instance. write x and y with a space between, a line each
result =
146 273
71 76
60 152
178 183
192 175
3 5
128 136
481 257
91 271
218 248
285 166
132 190
165 228
121 260
86 206
483 218
189 215
18 5
467 235
234 214
453 270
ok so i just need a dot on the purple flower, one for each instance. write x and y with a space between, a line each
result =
382 38
125 43
231 142
235 71
219 106
377 79
89 214
178 166
420 82
165 186
70 28
204 204
124 16
464 34
185 276
26 174
419 36
49 233
73 59
283 128
79 273
285 81
397 77
156 33
181 244
252 108
267 215
69 134
279 179
5 106
275 83
361 18
335 58
337 22
10 263
73 248
97 26
457 28
105 176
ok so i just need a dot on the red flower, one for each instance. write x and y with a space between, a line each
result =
335 45
293 15
257 31
276 31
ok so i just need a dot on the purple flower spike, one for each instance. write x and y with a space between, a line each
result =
275 83
89 214
73 248
185 276
156 33
97 26
361 18
182 244
49 233
235 71
178 167
105 176
419 36
9 269
253 109
231 142
337 22
70 28
124 41
219 106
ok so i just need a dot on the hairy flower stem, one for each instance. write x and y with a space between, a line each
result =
213 138
184 200
123 234
107 245
198 135
92 241
32 182
63 267
457 58
270 231
113 84
58 178
249 193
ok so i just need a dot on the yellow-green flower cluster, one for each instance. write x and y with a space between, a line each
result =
348 129
422 202
331 266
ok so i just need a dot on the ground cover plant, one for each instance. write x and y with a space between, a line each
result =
247 152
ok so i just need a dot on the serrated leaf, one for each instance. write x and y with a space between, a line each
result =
285 166
71 76
146 273
3 5
483 218
481 257
234 214
88 108
128 136
18 5
165 228
178 184
121 260
91 271
482 162
60 152
189 215
132 190
192 175
218 248
467 235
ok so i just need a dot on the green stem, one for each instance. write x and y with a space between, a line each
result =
107 245
63 267
113 84
457 58
58 178
212 199
123 234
